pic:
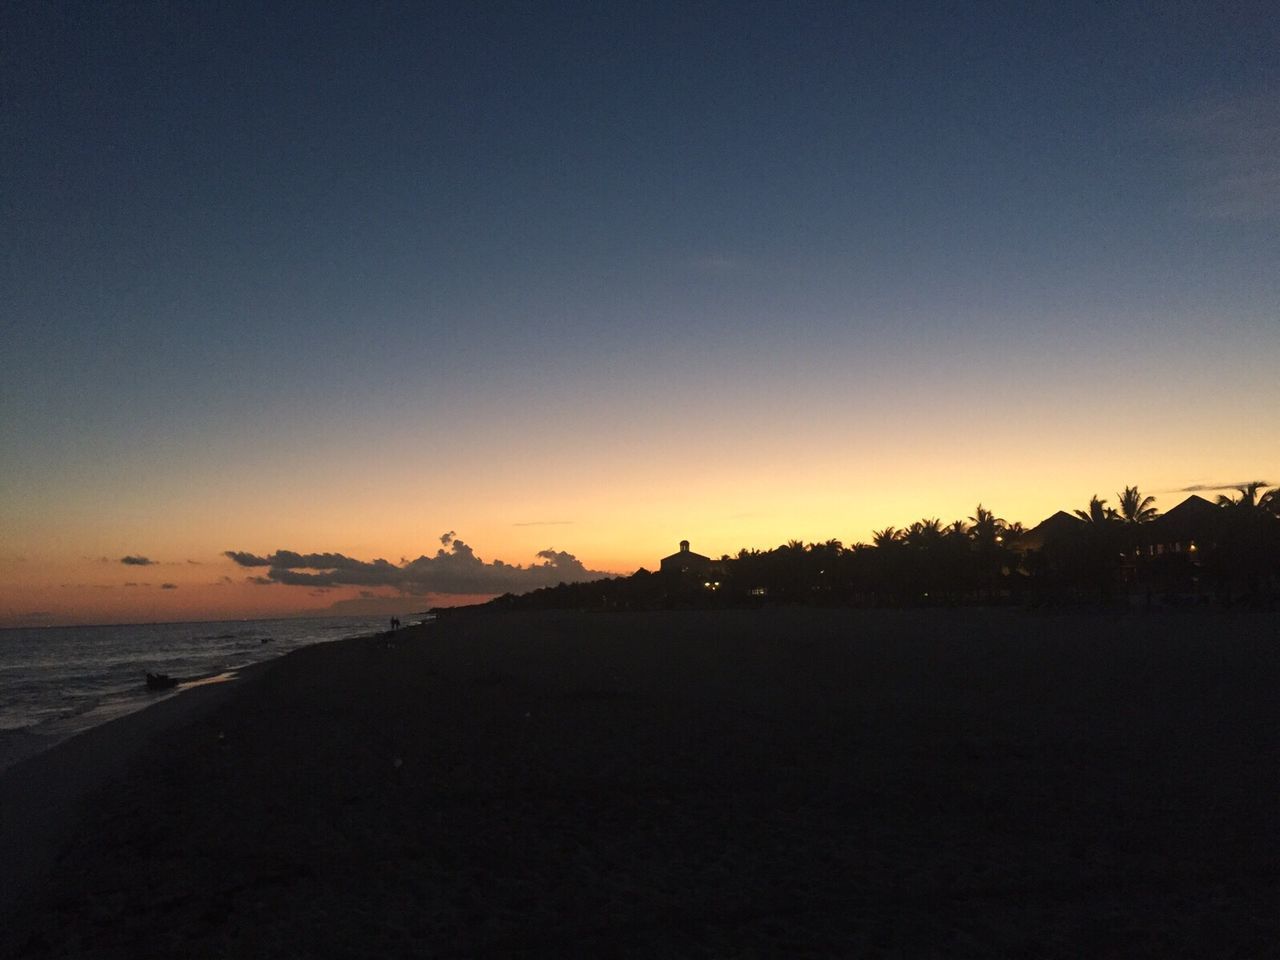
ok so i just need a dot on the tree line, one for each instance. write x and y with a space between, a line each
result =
1229 554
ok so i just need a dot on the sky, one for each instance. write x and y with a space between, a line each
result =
560 285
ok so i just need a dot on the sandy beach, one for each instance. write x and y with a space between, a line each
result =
784 782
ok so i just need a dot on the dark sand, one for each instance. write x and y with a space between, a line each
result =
782 783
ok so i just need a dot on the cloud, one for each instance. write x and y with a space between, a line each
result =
454 571
137 561
544 523
247 559
1201 487
260 581
196 563
168 586
1230 149
133 583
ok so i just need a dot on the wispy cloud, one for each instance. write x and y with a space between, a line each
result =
137 561
1230 148
456 570
1202 487
168 586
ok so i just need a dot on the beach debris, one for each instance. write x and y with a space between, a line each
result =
160 681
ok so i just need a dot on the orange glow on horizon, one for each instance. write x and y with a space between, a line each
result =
612 524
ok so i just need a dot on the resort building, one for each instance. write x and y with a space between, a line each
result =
1187 528
686 562
695 570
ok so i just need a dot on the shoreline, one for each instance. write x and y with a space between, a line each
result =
43 793
38 739
789 781
66 701
42 796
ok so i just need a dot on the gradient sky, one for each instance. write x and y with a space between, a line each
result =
348 278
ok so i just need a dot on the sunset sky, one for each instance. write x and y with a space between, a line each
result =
587 281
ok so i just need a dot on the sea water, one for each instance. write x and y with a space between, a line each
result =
58 681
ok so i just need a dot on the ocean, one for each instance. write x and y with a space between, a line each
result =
58 681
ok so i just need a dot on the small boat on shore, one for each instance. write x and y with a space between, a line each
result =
160 681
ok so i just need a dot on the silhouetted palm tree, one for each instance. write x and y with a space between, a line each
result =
1270 502
1098 514
923 533
1100 556
1136 509
1248 499
1248 553
886 537
986 526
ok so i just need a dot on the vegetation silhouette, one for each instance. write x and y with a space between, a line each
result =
1198 553
1135 509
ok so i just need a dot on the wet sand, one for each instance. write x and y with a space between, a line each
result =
777 783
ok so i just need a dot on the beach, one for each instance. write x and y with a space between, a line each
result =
779 782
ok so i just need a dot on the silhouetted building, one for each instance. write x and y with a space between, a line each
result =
695 570
686 562
1190 526
1061 524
